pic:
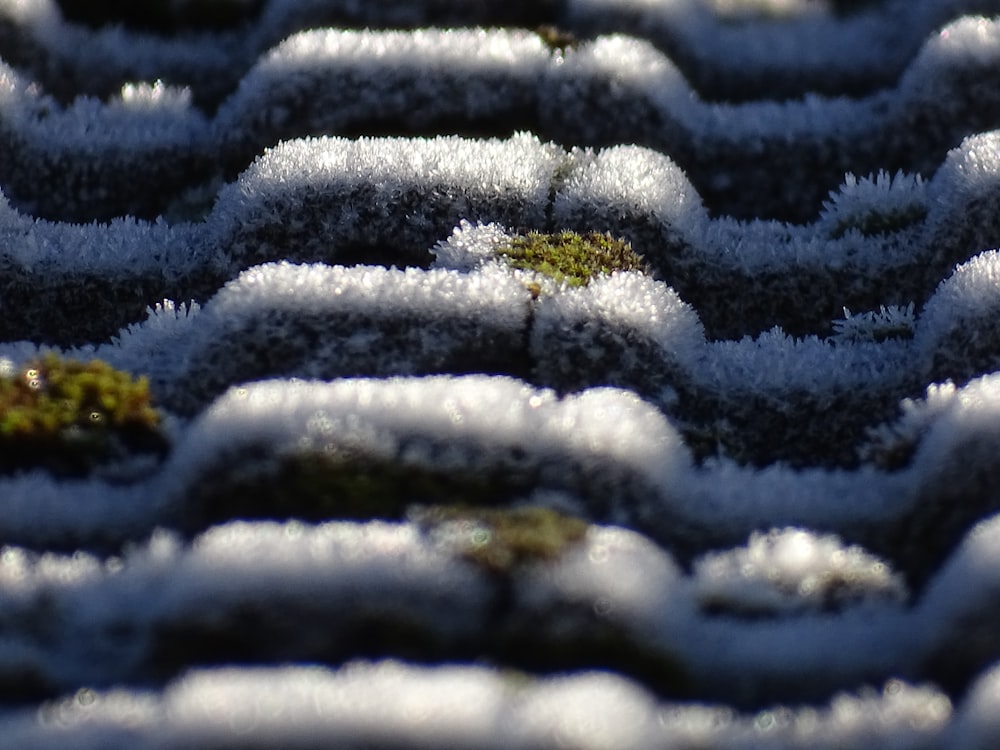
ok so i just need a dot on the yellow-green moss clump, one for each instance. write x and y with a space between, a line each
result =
572 258
557 39
498 539
69 416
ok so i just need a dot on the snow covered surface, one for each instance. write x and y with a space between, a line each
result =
389 704
332 199
759 477
597 92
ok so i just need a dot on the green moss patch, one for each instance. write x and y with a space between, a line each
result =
68 416
315 486
571 258
499 539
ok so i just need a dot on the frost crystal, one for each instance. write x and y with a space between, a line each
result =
791 570
875 205
892 322
891 445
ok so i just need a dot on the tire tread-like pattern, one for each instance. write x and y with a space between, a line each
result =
420 493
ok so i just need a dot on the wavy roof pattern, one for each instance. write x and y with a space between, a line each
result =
592 373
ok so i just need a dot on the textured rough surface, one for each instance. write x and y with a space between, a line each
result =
593 373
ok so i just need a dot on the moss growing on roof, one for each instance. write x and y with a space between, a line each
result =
571 258
557 39
69 416
499 539
314 485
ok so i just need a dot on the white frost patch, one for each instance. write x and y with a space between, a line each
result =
23 572
633 64
962 427
788 571
736 499
446 422
367 291
331 571
631 179
159 344
588 711
389 703
865 198
966 42
429 50
520 165
122 248
338 563
875 326
964 592
623 576
968 171
470 246
970 297
776 364
447 706
918 416
335 76
628 303
977 723
140 116
281 298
